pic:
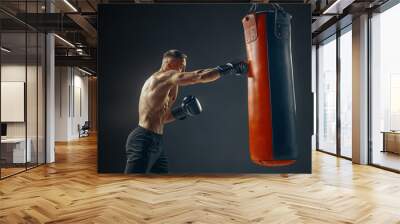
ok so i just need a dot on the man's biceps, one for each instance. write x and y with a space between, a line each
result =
173 79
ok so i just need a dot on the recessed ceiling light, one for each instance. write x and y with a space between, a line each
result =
70 5
5 50
64 40
335 7
84 71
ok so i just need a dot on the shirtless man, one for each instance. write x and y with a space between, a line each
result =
159 92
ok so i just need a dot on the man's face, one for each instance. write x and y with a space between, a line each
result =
175 64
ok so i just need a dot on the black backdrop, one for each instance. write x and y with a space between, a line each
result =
132 39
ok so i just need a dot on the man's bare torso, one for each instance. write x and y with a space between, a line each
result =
156 100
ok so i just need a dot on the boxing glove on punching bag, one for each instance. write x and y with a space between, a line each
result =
271 96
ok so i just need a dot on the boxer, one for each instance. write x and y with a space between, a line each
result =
144 144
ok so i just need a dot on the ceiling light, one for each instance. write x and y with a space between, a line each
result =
79 51
84 71
65 41
329 9
70 5
5 50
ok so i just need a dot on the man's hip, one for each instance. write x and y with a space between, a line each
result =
144 152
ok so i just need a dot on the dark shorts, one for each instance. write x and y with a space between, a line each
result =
145 153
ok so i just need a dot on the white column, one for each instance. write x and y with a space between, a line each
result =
50 92
360 90
50 100
314 91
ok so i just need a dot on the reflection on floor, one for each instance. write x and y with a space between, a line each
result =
346 152
8 170
71 191
386 159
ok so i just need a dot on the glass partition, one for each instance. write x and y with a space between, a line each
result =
31 100
327 95
385 89
14 153
346 93
22 90
41 107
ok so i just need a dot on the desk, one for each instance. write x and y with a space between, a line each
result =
13 150
391 141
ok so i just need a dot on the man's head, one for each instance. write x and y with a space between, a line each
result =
174 60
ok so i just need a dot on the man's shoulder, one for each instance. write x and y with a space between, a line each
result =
160 78
163 75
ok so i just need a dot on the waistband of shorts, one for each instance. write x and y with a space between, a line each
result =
147 131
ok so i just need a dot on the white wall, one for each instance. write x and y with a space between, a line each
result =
314 91
80 111
9 73
62 81
33 127
71 102
16 73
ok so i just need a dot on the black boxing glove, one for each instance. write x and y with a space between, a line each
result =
233 68
190 106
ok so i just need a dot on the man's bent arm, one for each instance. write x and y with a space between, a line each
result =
169 117
173 93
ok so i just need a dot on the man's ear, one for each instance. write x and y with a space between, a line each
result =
164 64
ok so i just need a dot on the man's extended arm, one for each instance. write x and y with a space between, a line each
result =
208 75
199 76
195 77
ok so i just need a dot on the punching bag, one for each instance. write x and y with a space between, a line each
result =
271 95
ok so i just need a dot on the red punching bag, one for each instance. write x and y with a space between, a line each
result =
271 100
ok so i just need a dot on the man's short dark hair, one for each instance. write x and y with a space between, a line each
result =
175 54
